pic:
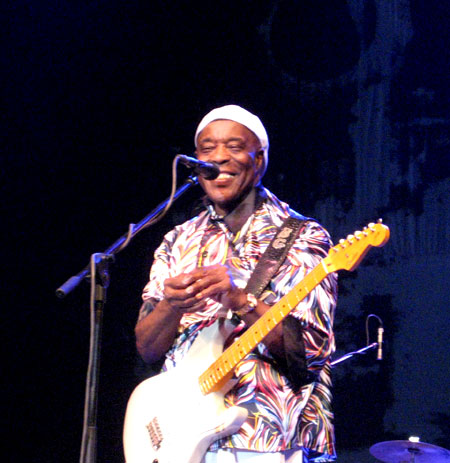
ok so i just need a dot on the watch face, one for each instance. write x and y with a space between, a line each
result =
252 301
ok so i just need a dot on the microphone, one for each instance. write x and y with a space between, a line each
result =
208 170
380 343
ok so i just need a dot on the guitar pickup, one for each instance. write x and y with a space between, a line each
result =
154 431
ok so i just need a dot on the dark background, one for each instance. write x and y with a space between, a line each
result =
99 96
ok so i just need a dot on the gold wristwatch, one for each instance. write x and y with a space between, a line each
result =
249 306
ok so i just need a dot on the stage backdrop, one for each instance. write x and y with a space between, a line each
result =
98 99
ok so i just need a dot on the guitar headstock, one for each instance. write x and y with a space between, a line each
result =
349 252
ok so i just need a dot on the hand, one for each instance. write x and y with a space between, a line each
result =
180 295
216 282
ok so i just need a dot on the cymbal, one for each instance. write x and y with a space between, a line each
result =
405 451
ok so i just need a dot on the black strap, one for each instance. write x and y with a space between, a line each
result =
275 254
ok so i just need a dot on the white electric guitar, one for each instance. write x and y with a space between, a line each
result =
175 416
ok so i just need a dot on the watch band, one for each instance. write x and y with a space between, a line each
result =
249 306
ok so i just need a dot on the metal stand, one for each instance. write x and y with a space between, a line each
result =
99 286
98 272
351 354
363 350
120 244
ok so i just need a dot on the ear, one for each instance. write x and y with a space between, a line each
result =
259 163
259 159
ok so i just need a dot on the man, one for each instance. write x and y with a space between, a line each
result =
200 272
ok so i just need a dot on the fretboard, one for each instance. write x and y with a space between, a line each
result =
220 371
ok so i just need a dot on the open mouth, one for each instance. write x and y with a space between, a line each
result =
225 175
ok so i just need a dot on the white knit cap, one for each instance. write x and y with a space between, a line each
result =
242 116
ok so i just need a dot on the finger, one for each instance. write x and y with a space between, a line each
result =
201 272
198 288
181 281
199 307
181 297
210 276
214 288
192 282
189 306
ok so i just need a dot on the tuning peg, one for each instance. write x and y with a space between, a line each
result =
342 242
380 220
372 226
350 237
358 235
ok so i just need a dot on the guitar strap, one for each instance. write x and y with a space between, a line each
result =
293 366
276 252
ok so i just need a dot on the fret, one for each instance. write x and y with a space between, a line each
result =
248 345
316 281
230 357
279 314
266 327
234 355
298 294
286 308
219 366
254 335
241 348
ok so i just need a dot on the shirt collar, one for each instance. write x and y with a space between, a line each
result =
261 197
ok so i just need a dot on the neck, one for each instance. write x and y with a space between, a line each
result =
239 215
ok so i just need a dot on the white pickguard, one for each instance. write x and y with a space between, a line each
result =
188 420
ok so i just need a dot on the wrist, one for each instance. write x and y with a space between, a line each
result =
249 305
168 309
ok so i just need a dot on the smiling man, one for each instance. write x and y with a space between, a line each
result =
240 157
200 273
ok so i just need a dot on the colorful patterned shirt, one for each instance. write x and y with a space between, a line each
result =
280 416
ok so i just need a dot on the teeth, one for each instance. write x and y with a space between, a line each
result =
224 175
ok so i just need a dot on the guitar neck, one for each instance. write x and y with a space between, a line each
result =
216 376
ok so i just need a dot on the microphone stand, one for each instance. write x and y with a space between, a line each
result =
123 241
365 349
351 354
98 273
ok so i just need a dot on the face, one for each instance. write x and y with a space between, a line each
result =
237 152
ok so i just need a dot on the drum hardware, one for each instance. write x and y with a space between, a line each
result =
409 451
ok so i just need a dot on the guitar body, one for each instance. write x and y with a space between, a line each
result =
169 420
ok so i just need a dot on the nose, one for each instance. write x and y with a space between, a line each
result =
220 155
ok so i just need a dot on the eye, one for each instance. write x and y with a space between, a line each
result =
235 148
206 149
